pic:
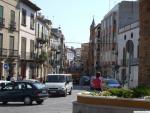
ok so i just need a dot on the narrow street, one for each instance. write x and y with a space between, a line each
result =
51 105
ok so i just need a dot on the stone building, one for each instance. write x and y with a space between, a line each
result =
9 38
57 50
85 58
98 48
28 11
128 54
43 35
91 53
123 14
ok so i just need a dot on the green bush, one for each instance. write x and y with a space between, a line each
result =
141 91
116 92
105 93
125 93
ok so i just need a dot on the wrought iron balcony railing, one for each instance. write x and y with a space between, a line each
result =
12 26
3 52
2 22
8 52
12 53
28 55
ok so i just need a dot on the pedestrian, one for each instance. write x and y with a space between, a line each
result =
97 82
19 78
8 78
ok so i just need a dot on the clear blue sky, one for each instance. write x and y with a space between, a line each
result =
75 16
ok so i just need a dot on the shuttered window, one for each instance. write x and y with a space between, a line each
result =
1 11
12 16
1 41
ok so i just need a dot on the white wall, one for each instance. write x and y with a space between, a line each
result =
133 28
25 31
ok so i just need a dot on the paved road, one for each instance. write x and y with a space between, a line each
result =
51 105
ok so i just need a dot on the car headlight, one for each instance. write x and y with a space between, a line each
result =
63 88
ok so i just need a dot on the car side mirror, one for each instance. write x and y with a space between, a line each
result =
67 82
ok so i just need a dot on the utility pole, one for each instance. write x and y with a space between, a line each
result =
144 46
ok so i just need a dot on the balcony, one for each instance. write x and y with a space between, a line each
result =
133 62
27 55
12 26
12 53
2 21
3 52
8 53
41 40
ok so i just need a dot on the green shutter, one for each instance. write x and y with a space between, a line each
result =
1 11
1 41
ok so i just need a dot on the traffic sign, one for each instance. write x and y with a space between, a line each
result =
6 66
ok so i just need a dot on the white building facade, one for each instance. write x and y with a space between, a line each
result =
27 38
128 53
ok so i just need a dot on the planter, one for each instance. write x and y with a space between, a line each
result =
98 104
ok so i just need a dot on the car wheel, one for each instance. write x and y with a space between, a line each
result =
65 93
39 101
4 102
27 101
70 92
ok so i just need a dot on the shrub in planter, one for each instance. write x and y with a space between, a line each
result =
141 91
125 93
98 93
116 92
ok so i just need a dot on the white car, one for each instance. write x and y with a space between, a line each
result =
59 84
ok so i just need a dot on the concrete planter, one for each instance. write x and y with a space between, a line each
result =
97 104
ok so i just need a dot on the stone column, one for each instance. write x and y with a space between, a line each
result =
144 49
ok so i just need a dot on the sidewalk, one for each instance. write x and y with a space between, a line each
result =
78 87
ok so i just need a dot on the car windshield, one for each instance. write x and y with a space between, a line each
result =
39 85
112 81
55 78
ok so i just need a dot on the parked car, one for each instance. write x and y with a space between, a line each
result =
111 83
3 83
85 80
26 92
59 84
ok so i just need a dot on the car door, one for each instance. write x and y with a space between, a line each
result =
6 92
19 91
69 83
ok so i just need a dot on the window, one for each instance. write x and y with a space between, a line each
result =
125 37
12 20
1 15
12 16
29 86
38 30
1 41
23 47
23 17
9 87
138 51
131 35
42 33
32 48
32 21
20 86
11 43
31 45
